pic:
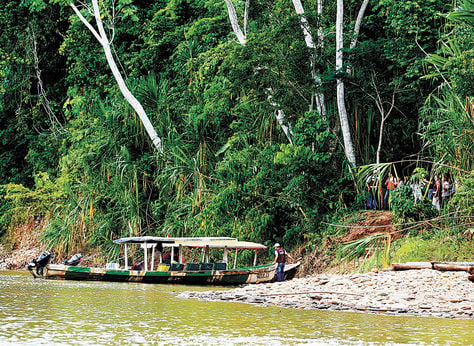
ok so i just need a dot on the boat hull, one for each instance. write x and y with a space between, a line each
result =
258 274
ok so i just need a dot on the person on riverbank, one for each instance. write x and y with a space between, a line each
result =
280 258
436 193
446 189
390 184
371 184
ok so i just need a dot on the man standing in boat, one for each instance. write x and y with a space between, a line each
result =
280 258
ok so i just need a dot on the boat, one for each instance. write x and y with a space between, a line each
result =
164 262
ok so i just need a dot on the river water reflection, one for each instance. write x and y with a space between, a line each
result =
71 312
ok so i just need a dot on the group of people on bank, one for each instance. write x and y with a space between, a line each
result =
438 189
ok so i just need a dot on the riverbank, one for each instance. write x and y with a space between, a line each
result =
423 292
413 292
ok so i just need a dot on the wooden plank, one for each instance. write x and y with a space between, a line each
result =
412 265
454 263
452 267
310 292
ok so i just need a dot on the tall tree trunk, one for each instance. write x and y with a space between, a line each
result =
346 132
308 38
280 116
383 114
241 37
234 22
56 125
246 17
357 26
101 36
320 25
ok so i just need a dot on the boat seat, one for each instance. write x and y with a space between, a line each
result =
220 266
192 266
206 266
177 267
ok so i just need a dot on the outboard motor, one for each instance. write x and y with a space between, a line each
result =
74 260
39 263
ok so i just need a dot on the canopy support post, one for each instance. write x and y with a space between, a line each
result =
225 258
172 257
145 250
180 252
126 255
153 257
255 258
235 259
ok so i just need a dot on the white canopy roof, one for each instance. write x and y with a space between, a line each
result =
201 242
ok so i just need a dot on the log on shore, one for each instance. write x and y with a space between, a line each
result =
412 265
452 267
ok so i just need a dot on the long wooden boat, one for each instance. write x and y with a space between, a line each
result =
153 268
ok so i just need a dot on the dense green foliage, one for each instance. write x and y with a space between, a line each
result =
72 149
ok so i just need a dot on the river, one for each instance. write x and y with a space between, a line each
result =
36 312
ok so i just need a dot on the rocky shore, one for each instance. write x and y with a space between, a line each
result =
18 259
412 292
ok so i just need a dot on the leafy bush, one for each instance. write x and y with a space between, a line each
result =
406 210
415 249
463 200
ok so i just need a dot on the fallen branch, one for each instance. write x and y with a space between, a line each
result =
296 293
412 265
452 267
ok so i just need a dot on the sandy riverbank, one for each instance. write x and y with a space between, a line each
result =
412 292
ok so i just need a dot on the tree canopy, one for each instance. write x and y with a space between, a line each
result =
220 106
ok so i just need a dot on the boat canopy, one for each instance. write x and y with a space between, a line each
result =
196 242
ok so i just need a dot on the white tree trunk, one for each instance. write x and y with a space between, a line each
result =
357 26
383 115
101 36
358 23
320 26
346 132
280 116
308 38
234 22
246 17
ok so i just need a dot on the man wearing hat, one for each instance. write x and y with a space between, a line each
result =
280 258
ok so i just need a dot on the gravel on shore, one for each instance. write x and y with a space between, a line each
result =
18 259
412 292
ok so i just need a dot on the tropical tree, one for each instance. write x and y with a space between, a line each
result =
105 42
448 115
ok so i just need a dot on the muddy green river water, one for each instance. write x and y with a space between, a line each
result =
43 312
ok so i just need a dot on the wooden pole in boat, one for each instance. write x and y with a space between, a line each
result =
172 257
225 258
153 256
207 253
145 250
255 258
180 252
126 255
235 259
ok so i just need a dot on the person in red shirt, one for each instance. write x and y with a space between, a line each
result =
390 185
280 258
